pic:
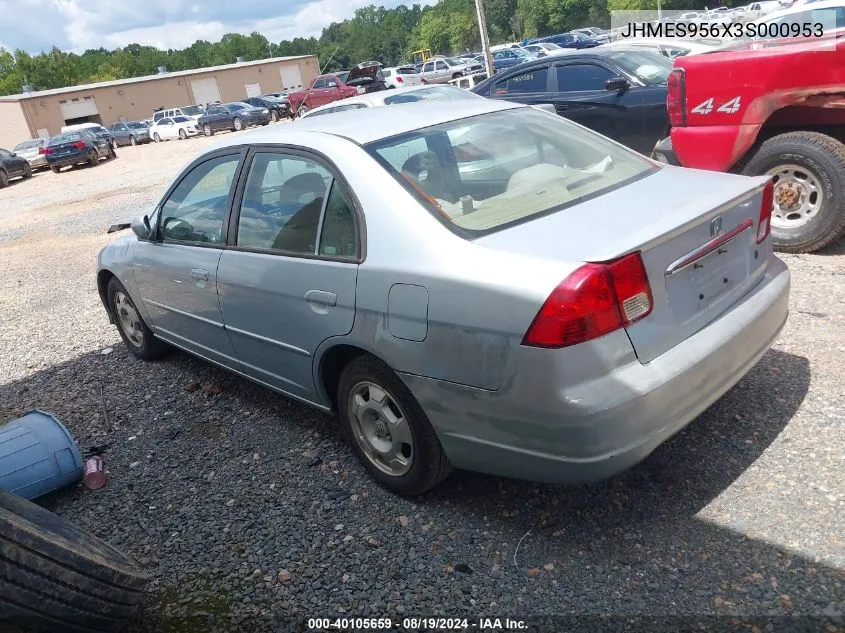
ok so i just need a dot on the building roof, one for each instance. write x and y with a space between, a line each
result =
132 80
365 125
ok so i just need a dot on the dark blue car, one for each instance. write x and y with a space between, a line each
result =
73 148
567 40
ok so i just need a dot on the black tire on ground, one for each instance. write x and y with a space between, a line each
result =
112 153
430 465
152 348
93 159
206 129
4 179
55 170
821 156
274 115
27 171
56 577
133 141
301 110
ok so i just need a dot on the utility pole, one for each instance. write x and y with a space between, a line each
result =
659 12
485 42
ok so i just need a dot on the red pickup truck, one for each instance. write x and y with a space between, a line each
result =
365 77
773 107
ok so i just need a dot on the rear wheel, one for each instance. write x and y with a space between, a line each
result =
206 129
237 124
4 179
93 160
55 170
388 430
58 577
135 334
808 170
27 171
183 134
112 153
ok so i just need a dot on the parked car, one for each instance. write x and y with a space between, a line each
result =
29 150
401 77
13 166
76 147
168 129
232 116
670 47
594 33
364 78
543 48
130 133
279 109
94 128
469 81
800 21
436 92
618 92
441 69
191 111
509 57
568 40
599 307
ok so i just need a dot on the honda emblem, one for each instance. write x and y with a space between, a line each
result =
716 227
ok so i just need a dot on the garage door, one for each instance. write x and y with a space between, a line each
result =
253 90
205 90
291 77
78 108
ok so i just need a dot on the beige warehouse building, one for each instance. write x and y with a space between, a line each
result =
44 112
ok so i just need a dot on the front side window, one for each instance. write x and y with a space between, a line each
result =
489 171
282 203
195 211
331 83
320 83
582 77
531 81
235 107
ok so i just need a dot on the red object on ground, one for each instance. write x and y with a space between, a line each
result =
94 475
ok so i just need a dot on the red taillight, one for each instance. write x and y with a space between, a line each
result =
45 150
764 224
676 98
78 145
399 80
593 301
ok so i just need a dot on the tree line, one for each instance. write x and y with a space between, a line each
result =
374 33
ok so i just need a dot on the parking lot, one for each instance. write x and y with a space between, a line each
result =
241 503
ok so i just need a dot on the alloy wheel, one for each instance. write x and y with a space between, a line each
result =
380 428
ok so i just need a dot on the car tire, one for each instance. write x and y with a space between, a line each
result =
27 171
804 163
156 137
275 116
237 124
4 179
368 379
112 154
206 129
55 170
183 134
56 576
133 141
301 110
136 335
93 159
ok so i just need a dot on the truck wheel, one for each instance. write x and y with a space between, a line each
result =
54 576
808 170
301 110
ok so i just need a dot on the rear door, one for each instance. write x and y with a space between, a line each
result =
531 86
176 273
287 281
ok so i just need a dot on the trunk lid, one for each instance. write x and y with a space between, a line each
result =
695 272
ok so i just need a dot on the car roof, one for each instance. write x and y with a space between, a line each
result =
366 125
380 96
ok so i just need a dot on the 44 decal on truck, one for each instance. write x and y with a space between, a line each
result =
729 107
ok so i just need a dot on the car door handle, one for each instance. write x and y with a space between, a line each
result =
322 297
199 274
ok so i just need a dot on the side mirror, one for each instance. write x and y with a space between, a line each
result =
618 84
141 227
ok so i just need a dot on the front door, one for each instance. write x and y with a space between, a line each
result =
287 281
176 274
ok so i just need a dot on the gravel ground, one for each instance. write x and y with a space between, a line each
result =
249 509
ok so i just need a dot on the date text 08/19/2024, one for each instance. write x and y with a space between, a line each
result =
413 624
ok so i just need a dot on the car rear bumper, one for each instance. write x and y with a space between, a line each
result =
592 430
257 120
665 153
71 159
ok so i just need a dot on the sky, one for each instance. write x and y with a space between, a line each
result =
76 25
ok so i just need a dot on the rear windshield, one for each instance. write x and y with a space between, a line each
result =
487 172
449 93
406 71
70 137
38 142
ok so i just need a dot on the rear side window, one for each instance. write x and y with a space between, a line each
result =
582 77
320 83
531 81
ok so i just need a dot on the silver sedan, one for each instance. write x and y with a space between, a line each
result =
475 285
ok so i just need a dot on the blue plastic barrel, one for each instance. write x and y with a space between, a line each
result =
37 455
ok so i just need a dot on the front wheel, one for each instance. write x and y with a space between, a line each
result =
27 171
237 124
55 170
133 141
112 154
135 334
388 430
183 134
156 138
93 159
275 116
206 129
808 170
301 110
4 179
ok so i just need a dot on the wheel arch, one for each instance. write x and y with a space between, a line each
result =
332 357
103 278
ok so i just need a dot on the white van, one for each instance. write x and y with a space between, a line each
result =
192 112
